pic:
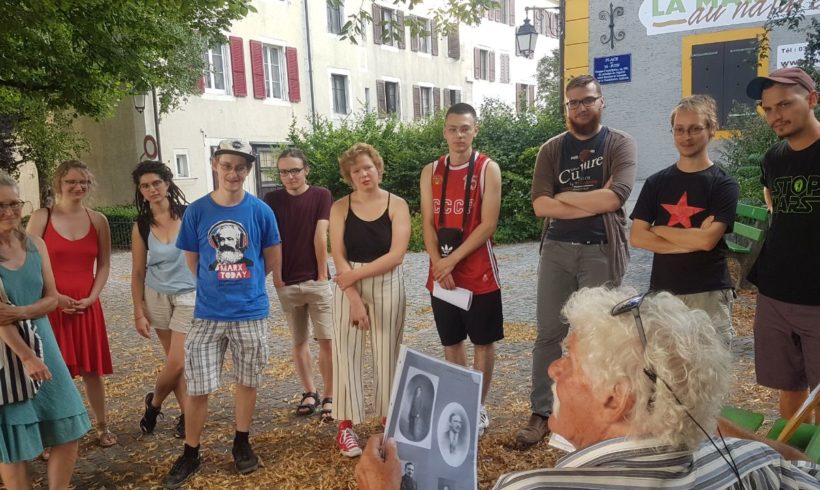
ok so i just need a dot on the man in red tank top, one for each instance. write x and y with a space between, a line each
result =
460 203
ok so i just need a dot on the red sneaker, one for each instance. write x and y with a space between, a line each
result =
347 441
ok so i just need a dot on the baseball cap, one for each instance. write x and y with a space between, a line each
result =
235 147
786 76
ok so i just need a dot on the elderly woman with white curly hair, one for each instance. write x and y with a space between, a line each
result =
637 393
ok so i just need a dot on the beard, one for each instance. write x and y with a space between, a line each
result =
229 256
585 129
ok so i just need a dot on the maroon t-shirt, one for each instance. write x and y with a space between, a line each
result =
297 217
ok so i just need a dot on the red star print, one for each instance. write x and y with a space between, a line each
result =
681 212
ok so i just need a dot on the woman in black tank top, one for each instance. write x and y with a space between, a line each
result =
369 233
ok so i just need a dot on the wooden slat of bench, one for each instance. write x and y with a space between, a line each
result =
747 231
738 248
754 212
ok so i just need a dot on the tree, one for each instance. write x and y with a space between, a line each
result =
445 19
548 78
792 16
60 59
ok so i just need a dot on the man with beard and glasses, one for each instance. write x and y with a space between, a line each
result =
581 181
231 242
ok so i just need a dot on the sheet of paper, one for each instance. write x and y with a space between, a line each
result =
460 297
559 442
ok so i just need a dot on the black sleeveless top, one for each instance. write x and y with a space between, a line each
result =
366 241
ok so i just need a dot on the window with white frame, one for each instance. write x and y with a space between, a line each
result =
388 19
391 97
181 167
422 39
426 101
334 16
340 97
216 71
483 64
274 70
452 96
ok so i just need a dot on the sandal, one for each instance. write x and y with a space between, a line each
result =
304 409
327 413
105 438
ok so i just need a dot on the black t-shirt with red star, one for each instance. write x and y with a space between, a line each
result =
672 197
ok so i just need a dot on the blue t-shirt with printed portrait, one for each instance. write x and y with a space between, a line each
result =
230 276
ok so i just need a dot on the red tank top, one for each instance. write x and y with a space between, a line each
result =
479 271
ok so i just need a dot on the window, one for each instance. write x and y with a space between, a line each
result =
339 88
388 26
274 72
387 97
524 96
266 163
720 64
422 41
722 70
452 96
181 164
216 61
504 13
484 64
334 16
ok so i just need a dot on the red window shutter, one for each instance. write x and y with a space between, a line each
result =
491 56
476 63
293 75
400 22
200 85
433 38
436 100
240 85
257 70
381 100
453 46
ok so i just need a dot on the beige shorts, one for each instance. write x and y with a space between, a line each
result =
305 303
718 305
169 311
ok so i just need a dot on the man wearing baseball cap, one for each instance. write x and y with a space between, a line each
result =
231 242
787 272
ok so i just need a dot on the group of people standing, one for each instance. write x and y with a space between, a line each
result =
639 400
199 280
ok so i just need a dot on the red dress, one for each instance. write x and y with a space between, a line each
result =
82 338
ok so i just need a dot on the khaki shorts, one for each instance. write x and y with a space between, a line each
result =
305 303
718 305
169 311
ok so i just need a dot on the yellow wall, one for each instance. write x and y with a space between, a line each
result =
576 39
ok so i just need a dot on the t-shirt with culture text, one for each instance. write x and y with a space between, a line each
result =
681 199
788 268
230 277
581 170
297 217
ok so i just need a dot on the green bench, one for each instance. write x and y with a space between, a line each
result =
748 234
805 438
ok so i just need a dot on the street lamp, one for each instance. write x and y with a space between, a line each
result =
139 102
526 36
139 106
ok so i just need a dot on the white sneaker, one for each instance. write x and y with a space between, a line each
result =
483 420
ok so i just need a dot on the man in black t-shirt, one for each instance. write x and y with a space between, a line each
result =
787 272
683 212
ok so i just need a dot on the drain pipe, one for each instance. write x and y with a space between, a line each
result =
310 67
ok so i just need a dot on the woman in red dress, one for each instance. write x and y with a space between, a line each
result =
77 239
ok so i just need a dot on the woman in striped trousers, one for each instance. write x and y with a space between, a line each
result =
369 233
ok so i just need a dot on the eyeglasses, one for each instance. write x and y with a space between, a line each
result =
81 183
587 101
633 305
239 169
155 184
14 206
691 131
293 172
458 131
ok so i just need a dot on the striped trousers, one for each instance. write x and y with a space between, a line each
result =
384 298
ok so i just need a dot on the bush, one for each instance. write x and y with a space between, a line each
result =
743 153
509 138
121 220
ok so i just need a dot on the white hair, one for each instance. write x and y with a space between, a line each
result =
683 349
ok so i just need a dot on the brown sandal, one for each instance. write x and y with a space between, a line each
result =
327 413
105 438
